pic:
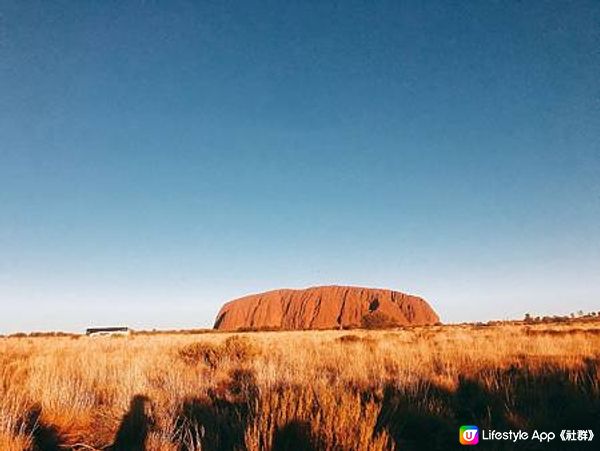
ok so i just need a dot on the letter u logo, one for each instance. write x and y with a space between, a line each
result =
469 435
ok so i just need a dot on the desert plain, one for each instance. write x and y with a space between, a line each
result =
401 388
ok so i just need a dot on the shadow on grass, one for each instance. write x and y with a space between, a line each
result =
296 436
427 417
546 399
44 437
134 427
219 421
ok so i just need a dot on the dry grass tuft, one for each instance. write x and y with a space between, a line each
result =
235 350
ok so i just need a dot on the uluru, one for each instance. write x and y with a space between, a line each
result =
325 307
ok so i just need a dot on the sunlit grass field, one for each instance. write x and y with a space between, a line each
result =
341 390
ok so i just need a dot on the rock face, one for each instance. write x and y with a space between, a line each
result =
327 307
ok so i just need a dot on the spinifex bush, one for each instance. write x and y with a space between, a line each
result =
206 353
331 390
240 349
235 350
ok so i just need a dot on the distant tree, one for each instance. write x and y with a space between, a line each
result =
18 335
528 318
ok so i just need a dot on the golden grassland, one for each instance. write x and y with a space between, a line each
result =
341 390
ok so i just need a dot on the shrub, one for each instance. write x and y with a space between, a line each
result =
239 349
235 349
378 320
206 353
349 339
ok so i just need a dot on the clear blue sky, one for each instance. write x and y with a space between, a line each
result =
160 158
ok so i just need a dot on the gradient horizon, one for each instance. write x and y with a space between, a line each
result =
157 160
